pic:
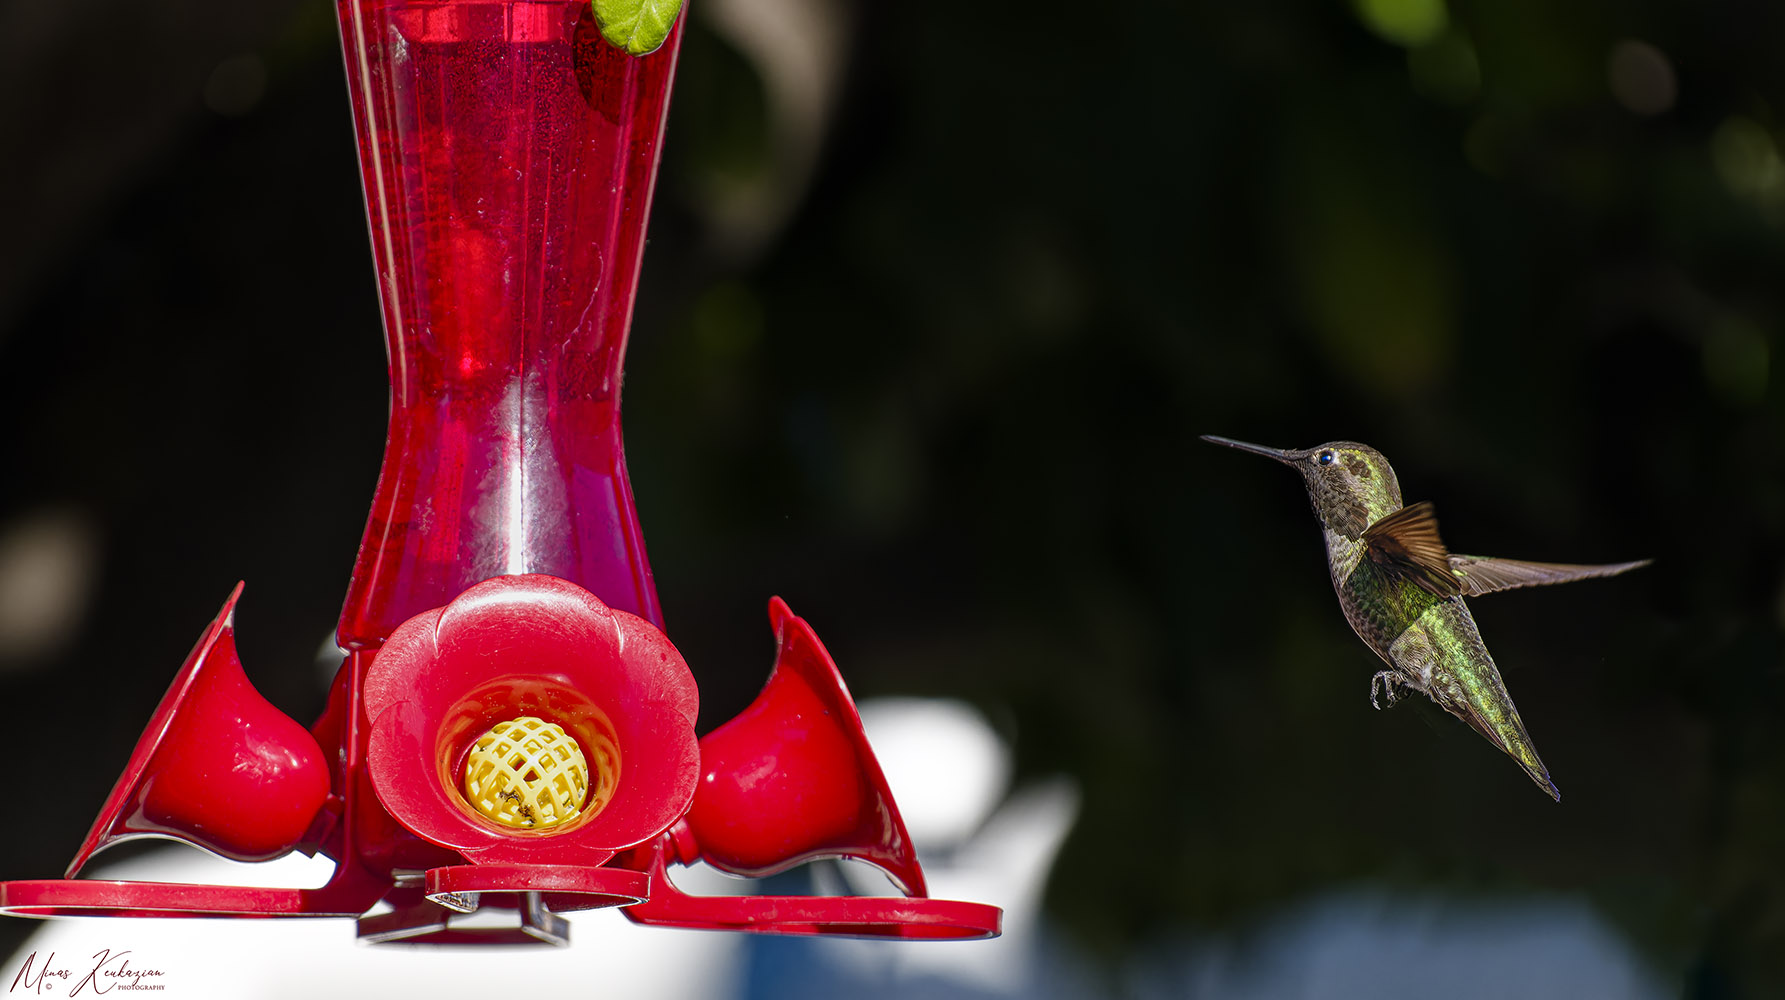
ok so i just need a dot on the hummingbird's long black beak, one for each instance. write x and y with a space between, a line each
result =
1257 449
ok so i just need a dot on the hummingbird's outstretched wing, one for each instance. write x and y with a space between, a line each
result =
1406 544
1482 575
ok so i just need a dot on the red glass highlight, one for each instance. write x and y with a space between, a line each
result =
508 154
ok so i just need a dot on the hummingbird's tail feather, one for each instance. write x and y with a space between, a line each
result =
1444 650
1539 774
1550 787
1508 733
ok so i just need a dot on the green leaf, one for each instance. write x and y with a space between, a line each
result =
638 26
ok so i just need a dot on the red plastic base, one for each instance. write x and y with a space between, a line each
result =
566 887
845 916
59 897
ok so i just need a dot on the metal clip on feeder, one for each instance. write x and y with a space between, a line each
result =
511 728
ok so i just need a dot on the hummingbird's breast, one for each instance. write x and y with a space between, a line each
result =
1379 606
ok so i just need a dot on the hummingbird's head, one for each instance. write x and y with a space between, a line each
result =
1351 484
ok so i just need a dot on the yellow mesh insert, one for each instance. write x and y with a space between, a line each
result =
530 774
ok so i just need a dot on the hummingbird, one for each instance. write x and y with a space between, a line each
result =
1402 591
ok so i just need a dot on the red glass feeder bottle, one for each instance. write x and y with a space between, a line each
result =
511 729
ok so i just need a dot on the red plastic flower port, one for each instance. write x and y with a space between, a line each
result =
531 646
217 766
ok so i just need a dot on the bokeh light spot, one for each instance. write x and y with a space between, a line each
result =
49 564
1404 22
1378 293
1748 160
236 85
1641 77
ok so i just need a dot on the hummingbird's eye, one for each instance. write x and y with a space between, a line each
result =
1324 458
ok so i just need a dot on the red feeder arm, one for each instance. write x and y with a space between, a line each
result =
508 154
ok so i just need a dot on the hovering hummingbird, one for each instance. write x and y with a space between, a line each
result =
1402 590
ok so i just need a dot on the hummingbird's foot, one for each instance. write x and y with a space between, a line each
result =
1390 682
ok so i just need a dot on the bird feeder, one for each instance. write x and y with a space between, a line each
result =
511 728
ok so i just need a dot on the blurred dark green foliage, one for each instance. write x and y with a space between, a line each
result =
949 409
